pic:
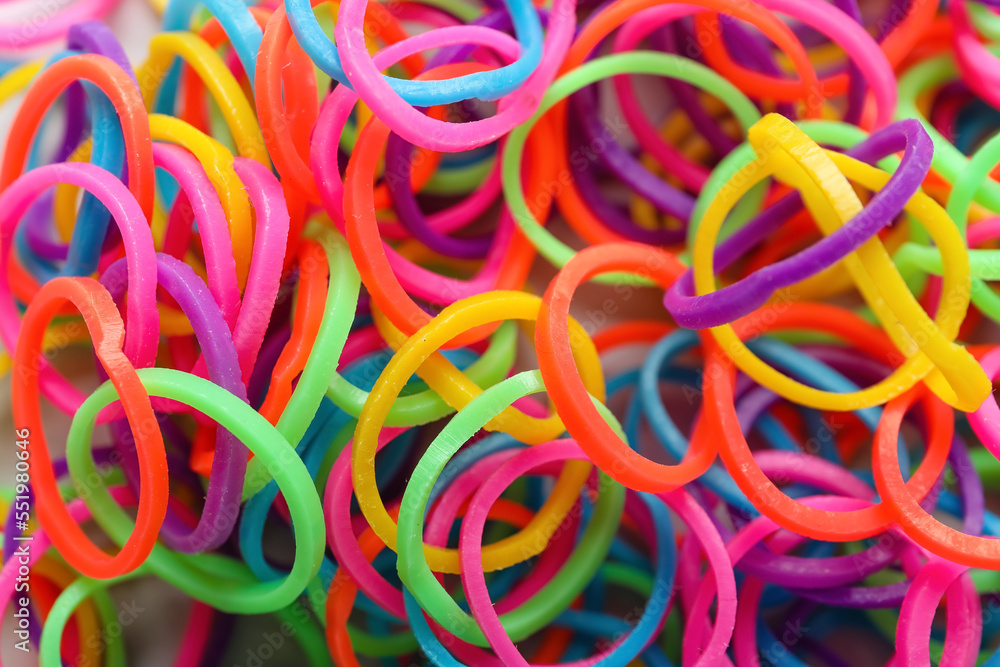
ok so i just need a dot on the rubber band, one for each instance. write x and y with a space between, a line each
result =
236 19
285 130
140 341
326 221
220 82
407 359
349 32
555 358
418 577
959 203
616 13
120 89
755 290
223 492
719 420
53 25
552 249
209 578
107 332
422 131
968 386
482 608
842 30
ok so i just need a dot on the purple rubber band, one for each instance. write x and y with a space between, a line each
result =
585 177
678 38
746 295
664 196
398 154
222 498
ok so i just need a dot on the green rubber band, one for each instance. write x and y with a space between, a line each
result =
987 23
320 369
341 305
948 160
628 576
305 633
427 406
987 467
63 609
983 264
636 62
463 11
308 636
382 646
219 581
114 646
670 638
560 591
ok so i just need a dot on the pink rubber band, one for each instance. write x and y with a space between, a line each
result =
828 20
365 76
937 579
341 535
985 421
978 64
270 239
439 524
33 32
333 115
212 226
471 537
142 322
697 649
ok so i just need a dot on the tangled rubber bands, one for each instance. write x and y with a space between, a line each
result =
448 332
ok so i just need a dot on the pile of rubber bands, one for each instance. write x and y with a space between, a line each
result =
497 333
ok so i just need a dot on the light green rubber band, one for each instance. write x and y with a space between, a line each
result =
219 581
341 305
560 591
63 609
636 62
948 160
987 23
983 264
427 406
306 634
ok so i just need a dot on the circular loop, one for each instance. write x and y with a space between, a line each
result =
555 359
143 326
787 151
108 333
720 424
463 315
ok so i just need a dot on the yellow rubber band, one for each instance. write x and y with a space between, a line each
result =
822 177
217 161
16 80
219 81
418 355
